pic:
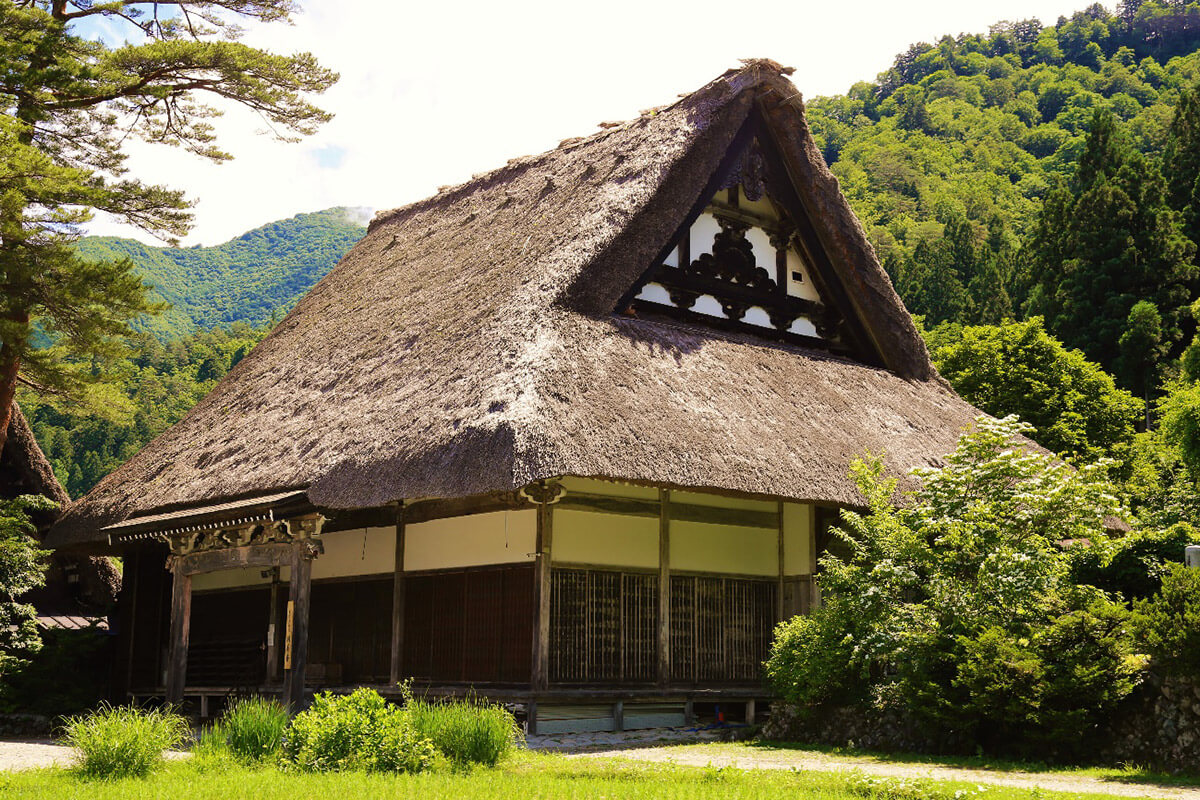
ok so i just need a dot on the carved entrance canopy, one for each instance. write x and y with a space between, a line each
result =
303 530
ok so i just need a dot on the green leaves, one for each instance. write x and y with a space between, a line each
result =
21 569
1073 406
958 606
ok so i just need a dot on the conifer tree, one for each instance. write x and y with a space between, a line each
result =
1181 162
69 103
1108 243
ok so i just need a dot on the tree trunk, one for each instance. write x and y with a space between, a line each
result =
10 365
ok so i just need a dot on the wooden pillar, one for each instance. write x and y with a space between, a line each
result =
299 596
273 632
780 582
398 598
181 623
540 677
618 713
131 569
664 587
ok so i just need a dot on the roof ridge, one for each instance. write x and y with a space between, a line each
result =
758 70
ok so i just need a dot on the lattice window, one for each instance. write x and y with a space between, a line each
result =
720 628
603 626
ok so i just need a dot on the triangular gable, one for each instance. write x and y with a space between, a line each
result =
748 258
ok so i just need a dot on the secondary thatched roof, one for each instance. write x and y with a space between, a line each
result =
467 344
24 468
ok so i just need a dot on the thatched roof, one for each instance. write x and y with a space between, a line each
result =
24 468
468 344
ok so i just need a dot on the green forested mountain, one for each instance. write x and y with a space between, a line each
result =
252 279
150 390
948 156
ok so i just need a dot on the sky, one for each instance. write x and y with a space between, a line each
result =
434 92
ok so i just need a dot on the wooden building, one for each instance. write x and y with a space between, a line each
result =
570 434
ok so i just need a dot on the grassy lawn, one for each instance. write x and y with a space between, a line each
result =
525 776
767 749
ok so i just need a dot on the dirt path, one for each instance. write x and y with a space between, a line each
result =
749 757
31 753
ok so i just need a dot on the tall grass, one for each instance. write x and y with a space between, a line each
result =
466 732
253 728
123 741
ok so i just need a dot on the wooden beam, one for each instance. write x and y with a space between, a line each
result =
602 504
425 510
540 676
131 567
273 631
683 512
664 586
181 622
398 590
299 599
271 554
353 519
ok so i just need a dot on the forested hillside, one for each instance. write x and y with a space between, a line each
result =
151 389
949 155
254 278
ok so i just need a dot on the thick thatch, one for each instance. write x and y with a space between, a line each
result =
23 466
73 583
468 345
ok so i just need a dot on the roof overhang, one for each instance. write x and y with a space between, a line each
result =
209 517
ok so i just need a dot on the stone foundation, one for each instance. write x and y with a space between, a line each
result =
1157 727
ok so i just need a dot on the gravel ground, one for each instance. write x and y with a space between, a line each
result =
31 753
755 758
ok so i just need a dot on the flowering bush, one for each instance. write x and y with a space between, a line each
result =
959 605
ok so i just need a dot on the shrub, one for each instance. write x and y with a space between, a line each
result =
466 732
959 608
1134 564
253 728
356 731
1167 625
122 741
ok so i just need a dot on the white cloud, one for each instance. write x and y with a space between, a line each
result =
432 93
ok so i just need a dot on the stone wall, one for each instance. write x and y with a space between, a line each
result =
1160 726
1157 727
887 729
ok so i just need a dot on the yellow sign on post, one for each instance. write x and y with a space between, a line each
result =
287 637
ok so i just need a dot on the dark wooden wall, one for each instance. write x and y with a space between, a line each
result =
228 638
603 626
143 610
471 626
350 632
720 628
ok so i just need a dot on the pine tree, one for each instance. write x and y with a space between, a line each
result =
1108 243
69 103
1181 162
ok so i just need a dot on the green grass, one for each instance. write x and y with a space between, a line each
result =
466 732
521 777
122 741
1127 774
253 728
